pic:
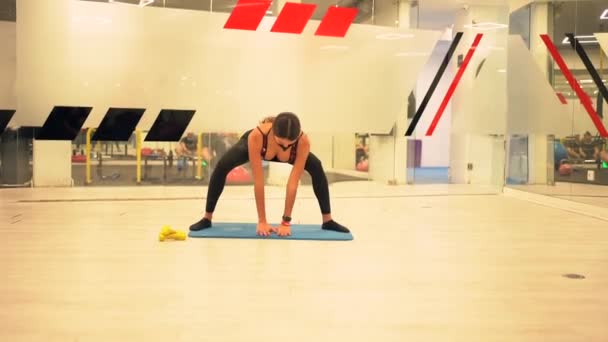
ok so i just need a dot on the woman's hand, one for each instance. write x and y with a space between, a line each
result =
283 230
263 229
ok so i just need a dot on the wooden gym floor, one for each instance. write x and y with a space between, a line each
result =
428 263
596 195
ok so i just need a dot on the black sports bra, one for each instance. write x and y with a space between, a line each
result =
292 154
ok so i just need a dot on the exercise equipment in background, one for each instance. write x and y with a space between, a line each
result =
560 153
239 175
363 165
565 169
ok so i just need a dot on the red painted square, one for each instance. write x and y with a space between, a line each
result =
247 15
293 18
336 21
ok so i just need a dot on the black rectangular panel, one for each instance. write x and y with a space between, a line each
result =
64 123
5 117
170 125
118 124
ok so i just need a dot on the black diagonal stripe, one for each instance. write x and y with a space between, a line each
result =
576 45
429 93
600 106
5 118
170 125
118 124
63 123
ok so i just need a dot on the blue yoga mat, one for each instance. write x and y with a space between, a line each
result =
247 231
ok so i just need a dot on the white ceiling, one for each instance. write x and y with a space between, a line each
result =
431 14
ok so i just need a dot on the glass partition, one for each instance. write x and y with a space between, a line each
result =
557 121
408 93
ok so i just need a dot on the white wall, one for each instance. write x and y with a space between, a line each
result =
602 38
539 159
104 55
8 65
514 5
382 158
344 151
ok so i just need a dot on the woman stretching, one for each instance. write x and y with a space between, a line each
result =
277 139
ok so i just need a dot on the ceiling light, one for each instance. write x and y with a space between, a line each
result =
502 70
486 26
394 36
581 40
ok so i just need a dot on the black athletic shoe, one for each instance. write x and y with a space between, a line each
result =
202 224
335 226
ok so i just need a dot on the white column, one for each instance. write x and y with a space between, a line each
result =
52 163
400 148
404 13
382 160
388 154
539 24
459 142
537 143
343 151
8 65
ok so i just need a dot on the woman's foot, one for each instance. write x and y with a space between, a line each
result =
335 226
204 223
